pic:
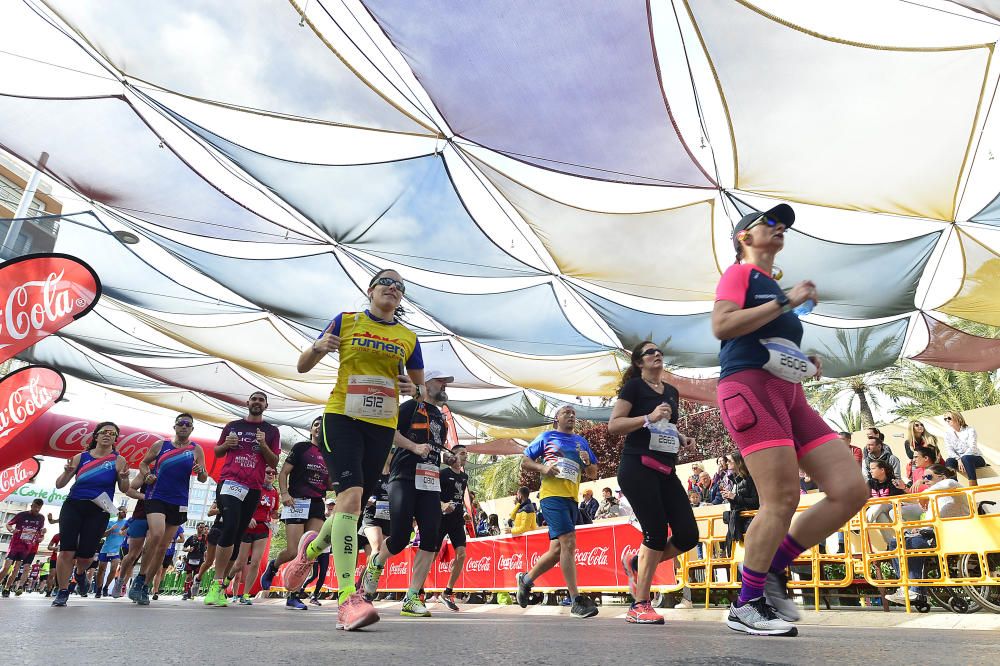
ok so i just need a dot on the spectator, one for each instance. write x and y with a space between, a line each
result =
694 497
806 483
624 508
609 506
710 494
855 451
917 435
877 450
941 477
961 448
882 481
723 477
923 458
483 526
742 497
875 432
695 479
523 515
588 507
493 528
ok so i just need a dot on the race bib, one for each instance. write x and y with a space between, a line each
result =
298 511
382 509
234 489
28 534
370 396
428 477
194 562
105 503
568 469
786 361
663 437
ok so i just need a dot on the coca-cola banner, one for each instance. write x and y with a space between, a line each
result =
494 562
14 477
64 436
25 395
40 294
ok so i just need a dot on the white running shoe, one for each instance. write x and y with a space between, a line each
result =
758 619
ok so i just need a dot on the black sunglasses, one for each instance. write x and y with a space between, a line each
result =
947 418
651 351
762 219
928 477
389 282
184 422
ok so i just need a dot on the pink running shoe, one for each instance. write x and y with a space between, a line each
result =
299 569
631 571
355 613
643 613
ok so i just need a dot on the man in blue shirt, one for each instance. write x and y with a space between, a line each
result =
560 457
111 552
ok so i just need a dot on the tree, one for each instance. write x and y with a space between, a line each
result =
491 477
847 421
921 390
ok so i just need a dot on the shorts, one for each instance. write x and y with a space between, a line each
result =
168 559
761 411
250 537
355 452
317 509
107 557
369 520
560 513
26 555
172 514
81 525
452 525
191 567
138 528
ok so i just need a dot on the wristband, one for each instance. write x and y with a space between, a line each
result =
645 420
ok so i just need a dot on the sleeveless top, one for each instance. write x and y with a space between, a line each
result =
95 476
173 474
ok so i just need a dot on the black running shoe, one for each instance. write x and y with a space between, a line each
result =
583 607
523 591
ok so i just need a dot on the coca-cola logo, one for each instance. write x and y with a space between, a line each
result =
41 294
513 563
74 436
398 568
595 557
534 560
628 552
445 567
14 477
25 395
481 565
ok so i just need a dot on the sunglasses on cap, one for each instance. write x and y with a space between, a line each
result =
651 351
389 282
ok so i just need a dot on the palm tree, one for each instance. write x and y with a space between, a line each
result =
922 390
863 388
847 421
491 477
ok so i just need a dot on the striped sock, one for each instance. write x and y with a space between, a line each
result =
787 551
753 586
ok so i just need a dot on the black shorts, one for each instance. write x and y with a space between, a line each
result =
250 537
172 514
168 559
355 452
81 526
452 525
369 520
317 509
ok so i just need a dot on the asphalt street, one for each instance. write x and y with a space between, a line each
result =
169 631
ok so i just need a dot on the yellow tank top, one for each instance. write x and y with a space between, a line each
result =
370 353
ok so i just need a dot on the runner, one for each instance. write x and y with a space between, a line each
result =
359 424
52 584
34 574
303 482
136 532
168 561
250 445
111 553
28 529
43 577
255 540
764 408
195 547
214 532
166 506
375 521
563 455
646 413
415 490
454 481
88 507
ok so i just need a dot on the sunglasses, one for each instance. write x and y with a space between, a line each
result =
184 423
763 219
651 351
947 418
928 477
389 282
108 433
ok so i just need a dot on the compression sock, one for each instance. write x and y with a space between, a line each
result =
344 544
753 586
787 551
323 541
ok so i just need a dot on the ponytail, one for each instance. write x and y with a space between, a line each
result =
941 470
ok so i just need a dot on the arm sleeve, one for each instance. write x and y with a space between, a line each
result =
536 448
416 359
334 326
733 285
895 467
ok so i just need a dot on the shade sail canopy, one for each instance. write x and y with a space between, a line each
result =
951 348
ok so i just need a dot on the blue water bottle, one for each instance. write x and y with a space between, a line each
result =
806 307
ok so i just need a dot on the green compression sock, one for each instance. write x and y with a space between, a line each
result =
345 552
322 542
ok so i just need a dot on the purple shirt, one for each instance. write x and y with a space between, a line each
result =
245 464
309 476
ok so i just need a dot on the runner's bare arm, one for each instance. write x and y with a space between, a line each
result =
121 466
314 353
730 321
199 464
532 466
68 470
144 474
283 496
402 442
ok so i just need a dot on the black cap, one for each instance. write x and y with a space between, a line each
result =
782 213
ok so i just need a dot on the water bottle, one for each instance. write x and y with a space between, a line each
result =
806 307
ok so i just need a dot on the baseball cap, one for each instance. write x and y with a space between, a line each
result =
437 374
782 213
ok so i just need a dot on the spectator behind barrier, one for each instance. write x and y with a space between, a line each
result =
523 516
855 451
609 506
710 493
916 436
742 497
624 508
588 507
493 525
943 478
694 497
877 450
923 458
882 483
961 448
723 477
695 478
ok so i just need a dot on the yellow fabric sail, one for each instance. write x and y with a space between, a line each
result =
978 298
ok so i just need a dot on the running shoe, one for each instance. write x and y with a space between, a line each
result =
18 592
83 586
186 596
899 597
631 567
116 589
314 601
566 601
299 569
72 586
756 618
98 593
61 598
245 600
295 604
777 597
414 607
195 588
356 612
684 604
144 596
136 589
643 613
449 601
268 576
370 577
5 594
156 596
523 591
583 607
216 596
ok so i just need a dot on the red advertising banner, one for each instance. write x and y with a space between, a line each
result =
25 395
14 477
493 563
40 294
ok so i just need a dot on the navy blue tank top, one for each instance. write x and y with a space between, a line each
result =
95 476
173 474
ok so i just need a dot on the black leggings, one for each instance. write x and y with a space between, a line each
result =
355 452
320 567
235 515
81 526
405 503
658 500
